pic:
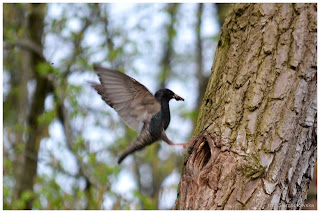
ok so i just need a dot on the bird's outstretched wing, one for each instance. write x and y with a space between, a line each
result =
132 101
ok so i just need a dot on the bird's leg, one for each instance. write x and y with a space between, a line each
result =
168 141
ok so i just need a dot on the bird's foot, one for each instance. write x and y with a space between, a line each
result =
186 144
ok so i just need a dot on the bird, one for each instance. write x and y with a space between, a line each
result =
148 115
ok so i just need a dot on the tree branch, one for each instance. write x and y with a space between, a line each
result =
70 142
26 44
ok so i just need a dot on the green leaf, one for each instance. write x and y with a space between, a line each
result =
45 68
47 117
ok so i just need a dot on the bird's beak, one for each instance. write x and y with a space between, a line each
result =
177 97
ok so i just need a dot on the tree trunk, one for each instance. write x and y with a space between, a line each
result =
28 170
255 145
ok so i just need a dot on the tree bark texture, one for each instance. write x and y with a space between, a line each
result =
255 140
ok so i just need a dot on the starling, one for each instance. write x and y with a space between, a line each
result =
148 115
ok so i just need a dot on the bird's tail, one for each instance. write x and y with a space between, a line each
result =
134 146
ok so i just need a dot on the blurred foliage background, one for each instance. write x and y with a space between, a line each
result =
60 140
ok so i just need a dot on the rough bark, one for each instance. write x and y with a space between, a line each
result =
255 145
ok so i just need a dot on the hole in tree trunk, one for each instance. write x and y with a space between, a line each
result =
204 155
202 152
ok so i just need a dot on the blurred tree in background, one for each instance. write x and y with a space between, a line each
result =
61 141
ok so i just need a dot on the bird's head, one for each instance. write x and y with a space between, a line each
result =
166 94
